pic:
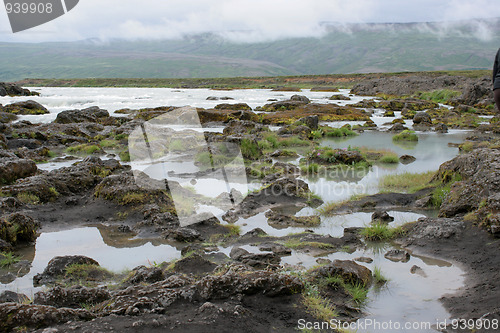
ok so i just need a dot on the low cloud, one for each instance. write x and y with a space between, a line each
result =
243 20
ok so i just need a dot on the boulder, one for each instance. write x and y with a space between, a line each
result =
422 118
397 255
382 216
282 221
12 89
310 121
56 268
13 169
72 297
144 274
348 270
25 108
183 235
14 315
12 297
236 106
441 128
93 115
6 117
18 228
194 264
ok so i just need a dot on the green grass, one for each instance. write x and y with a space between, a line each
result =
438 96
358 292
378 277
250 149
8 259
297 244
390 159
381 232
28 198
124 155
339 132
406 182
133 198
84 149
406 135
442 191
316 305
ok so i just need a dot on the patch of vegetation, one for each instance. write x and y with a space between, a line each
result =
28 198
124 155
442 191
443 96
390 159
406 135
109 143
407 182
297 244
8 259
358 291
86 272
378 277
381 232
84 149
316 305
329 208
343 131
134 198
250 149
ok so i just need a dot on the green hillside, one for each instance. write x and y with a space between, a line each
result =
363 49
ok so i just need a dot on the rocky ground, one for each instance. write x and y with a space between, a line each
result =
206 290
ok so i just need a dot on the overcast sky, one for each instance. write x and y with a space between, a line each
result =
249 20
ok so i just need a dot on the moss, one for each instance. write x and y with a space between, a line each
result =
250 149
381 232
124 155
297 244
28 198
86 272
134 198
407 182
84 149
8 259
405 135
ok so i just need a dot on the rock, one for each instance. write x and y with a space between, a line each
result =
72 297
25 108
398 127
13 169
194 264
236 106
283 153
56 268
397 255
18 228
417 270
6 117
281 221
441 128
479 171
144 274
364 259
258 260
407 159
339 97
349 157
12 89
495 230
323 261
12 297
37 316
92 114
5 246
275 248
422 118
389 114
243 128
300 98
350 272
382 216
310 121
183 235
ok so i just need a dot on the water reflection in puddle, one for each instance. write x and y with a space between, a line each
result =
407 297
332 225
113 253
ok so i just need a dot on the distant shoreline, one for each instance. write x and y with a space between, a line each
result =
261 82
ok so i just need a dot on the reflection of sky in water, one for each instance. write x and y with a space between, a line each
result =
88 242
332 225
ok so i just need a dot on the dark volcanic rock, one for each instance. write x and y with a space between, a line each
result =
407 159
72 297
27 107
35 316
18 228
12 297
56 268
14 90
13 169
397 255
382 216
93 114
144 274
194 264
349 271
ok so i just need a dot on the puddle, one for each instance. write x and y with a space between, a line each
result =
113 252
407 297
332 225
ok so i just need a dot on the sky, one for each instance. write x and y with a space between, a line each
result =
238 20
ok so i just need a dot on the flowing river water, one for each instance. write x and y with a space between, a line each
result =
407 297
